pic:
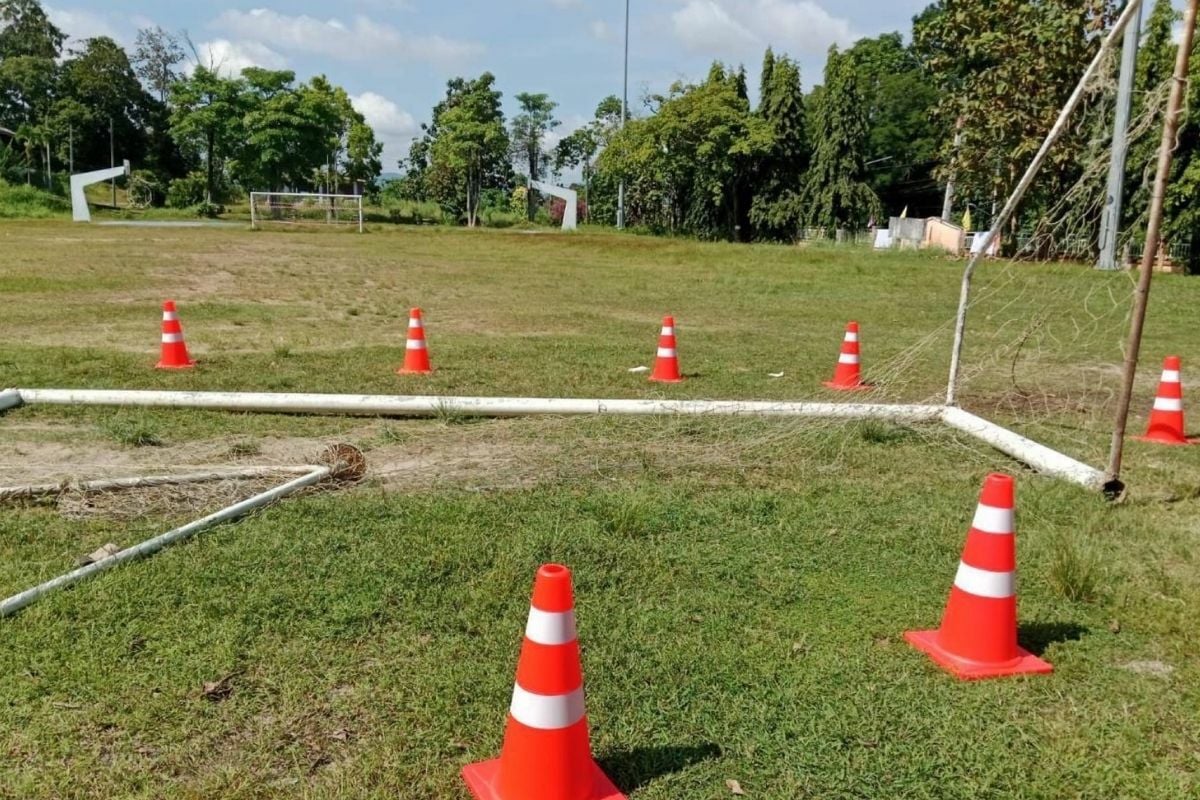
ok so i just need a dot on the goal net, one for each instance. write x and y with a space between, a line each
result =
304 208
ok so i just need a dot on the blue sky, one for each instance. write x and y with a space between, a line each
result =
394 56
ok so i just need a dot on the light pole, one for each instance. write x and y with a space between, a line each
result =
624 116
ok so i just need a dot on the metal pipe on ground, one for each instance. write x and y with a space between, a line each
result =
116 484
9 398
17 602
424 406
1027 451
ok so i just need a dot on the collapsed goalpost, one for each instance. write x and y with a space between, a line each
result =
296 208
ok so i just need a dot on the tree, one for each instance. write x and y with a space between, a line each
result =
26 31
206 118
902 139
684 165
465 149
1006 69
836 194
529 130
776 209
156 52
99 94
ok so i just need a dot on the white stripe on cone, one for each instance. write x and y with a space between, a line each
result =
848 358
415 344
172 338
992 519
546 712
550 627
415 323
668 331
666 352
1170 376
170 316
1168 404
985 583
851 337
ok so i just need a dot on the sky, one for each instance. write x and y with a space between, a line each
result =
395 56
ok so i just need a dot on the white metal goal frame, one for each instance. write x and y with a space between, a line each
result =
320 199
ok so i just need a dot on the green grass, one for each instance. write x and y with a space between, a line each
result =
28 202
742 585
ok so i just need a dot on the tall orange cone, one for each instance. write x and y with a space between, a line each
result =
1166 418
978 637
547 752
847 377
416 354
666 365
174 350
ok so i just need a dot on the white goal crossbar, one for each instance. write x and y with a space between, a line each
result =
305 207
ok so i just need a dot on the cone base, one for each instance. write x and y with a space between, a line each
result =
1167 440
483 779
188 365
964 669
652 379
856 387
403 371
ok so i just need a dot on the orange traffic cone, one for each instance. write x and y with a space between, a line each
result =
666 365
1166 418
416 354
978 637
174 350
547 753
847 377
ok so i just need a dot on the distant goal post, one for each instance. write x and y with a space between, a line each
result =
305 208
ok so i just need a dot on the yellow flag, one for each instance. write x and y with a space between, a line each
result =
967 221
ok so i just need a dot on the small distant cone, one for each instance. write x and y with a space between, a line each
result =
547 751
416 354
174 350
847 377
666 365
978 637
1166 418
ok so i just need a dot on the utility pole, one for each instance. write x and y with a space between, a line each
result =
1110 220
71 149
624 117
1141 297
948 203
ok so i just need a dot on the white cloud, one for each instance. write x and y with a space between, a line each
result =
564 4
740 27
230 58
361 38
600 29
393 126
79 24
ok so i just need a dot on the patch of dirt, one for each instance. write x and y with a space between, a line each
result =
1158 669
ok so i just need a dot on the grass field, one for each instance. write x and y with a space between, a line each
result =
742 586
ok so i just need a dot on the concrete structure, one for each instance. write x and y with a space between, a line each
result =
79 206
945 235
569 196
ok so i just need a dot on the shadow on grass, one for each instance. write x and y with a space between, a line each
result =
633 769
1036 637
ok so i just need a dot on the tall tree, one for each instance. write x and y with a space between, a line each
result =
155 56
776 210
25 30
529 129
1006 68
465 149
206 118
836 193
101 94
903 137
